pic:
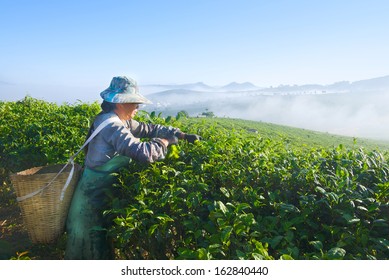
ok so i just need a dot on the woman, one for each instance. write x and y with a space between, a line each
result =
112 148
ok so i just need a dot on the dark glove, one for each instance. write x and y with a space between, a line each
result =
173 140
191 138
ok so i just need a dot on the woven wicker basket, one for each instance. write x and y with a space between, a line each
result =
45 214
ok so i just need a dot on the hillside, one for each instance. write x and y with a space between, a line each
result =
248 190
295 137
356 109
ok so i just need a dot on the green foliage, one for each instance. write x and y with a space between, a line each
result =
182 114
35 132
238 194
208 114
21 256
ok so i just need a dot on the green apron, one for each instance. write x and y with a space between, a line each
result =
86 226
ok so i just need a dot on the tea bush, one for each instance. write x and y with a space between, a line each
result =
234 195
35 132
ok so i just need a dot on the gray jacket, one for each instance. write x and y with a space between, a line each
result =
119 138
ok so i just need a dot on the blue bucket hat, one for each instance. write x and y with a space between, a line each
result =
123 90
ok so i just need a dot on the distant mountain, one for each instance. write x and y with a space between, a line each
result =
380 83
192 86
197 86
376 85
201 87
175 92
195 89
239 87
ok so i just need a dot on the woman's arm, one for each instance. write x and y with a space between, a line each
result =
144 130
125 143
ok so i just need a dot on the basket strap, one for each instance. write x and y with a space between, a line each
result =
21 198
70 161
97 130
67 180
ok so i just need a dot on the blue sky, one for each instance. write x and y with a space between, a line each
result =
83 44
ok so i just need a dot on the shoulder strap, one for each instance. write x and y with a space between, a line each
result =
95 132
71 161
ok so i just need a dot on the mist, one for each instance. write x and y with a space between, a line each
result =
356 109
360 114
343 115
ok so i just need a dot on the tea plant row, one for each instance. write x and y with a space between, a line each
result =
234 195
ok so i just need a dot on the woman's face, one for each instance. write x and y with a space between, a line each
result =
126 111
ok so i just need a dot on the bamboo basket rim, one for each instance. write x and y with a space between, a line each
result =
44 214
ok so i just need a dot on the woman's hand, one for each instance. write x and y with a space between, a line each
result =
191 138
172 140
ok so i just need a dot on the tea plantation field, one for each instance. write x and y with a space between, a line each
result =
249 190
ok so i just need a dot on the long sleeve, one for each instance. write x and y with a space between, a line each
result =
144 130
116 138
